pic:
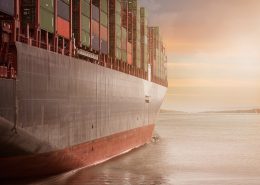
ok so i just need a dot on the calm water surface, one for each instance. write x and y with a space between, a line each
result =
194 149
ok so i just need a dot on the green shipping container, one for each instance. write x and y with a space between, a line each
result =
124 33
118 42
46 20
47 4
85 8
118 53
124 56
85 38
118 19
85 23
104 19
118 32
118 6
104 6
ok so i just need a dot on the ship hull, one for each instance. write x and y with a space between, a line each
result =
62 113
82 155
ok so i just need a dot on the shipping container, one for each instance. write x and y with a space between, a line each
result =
85 7
7 6
95 42
95 13
134 27
144 35
85 23
124 56
104 47
63 9
64 18
85 38
63 27
124 39
115 29
95 27
81 22
46 14
129 47
47 20
104 19
104 6
129 58
46 4
104 33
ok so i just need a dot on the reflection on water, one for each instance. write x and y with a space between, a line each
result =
194 149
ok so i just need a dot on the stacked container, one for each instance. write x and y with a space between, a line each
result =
115 33
104 26
157 54
90 24
95 23
127 24
63 18
153 37
81 22
45 17
124 44
134 9
144 39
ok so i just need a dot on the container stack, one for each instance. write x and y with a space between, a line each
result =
44 18
144 39
124 37
164 64
115 29
104 27
127 23
95 23
63 18
157 54
81 22
134 9
118 28
153 42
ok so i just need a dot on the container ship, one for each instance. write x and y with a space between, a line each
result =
82 81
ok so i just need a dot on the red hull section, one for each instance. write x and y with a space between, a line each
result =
82 155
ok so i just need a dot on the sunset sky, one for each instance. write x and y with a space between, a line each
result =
213 49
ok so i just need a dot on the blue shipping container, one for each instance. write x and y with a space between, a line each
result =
95 13
7 6
95 43
104 48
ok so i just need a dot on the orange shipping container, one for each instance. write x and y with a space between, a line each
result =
129 48
129 58
95 28
103 33
63 27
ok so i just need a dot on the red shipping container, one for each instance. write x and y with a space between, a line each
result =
95 28
129 58
63 27
103 33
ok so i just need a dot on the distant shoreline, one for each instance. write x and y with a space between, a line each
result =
252 111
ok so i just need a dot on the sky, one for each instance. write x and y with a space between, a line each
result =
213 49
